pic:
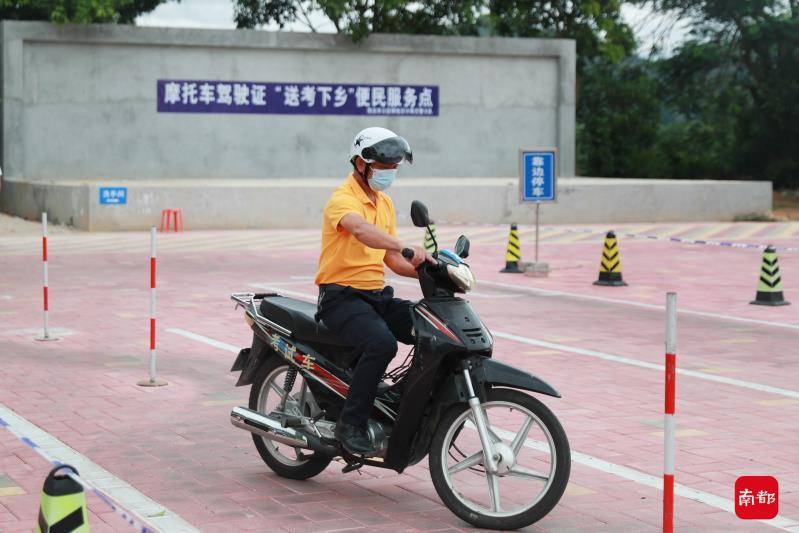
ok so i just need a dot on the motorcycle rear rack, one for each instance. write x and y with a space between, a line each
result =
251 302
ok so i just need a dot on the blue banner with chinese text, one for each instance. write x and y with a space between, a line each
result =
286 98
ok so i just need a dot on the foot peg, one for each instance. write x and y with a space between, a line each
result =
291 421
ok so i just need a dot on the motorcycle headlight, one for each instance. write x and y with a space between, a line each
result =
462 276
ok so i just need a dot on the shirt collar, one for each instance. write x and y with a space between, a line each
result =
358 190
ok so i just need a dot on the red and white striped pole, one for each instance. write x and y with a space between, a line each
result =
46 329
152 381
668 416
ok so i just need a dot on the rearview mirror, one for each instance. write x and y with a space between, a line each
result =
462 247
419 214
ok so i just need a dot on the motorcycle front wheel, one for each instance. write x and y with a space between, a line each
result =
531 452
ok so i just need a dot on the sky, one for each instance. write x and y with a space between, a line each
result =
218 14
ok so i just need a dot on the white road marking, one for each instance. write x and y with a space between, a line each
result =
6 297
144 508
645 364
207 340
656 482
547 292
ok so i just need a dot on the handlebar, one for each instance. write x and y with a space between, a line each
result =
407 253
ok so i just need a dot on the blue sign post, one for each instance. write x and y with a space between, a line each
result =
537 175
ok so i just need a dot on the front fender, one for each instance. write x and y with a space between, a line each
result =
502 375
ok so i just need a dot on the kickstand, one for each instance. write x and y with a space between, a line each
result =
351 466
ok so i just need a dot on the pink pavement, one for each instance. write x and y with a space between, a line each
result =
175 443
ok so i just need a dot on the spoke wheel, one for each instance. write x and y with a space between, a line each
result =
266 397
531 456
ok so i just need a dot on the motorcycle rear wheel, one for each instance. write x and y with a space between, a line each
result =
305 463
523 493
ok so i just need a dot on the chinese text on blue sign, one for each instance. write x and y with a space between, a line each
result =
538 175
198 96
113 195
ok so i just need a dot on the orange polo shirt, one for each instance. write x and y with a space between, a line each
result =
344 259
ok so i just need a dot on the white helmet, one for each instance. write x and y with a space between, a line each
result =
381 145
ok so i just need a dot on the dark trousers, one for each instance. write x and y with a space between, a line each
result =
372 322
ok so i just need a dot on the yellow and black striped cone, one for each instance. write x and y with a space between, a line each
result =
63 504
430 238
513 255
610 265
769 289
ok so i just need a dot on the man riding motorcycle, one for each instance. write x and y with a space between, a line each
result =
359 236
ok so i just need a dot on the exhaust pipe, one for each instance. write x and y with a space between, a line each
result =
271 428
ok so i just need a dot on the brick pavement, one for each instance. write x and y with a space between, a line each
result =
175 444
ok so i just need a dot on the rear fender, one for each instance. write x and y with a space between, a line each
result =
250 360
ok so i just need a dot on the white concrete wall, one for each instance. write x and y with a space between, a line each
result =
79 102
298 203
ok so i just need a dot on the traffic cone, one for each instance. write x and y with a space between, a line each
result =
63 504
513 255
769 290
430 238
610 265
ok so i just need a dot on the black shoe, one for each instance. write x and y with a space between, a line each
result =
354 439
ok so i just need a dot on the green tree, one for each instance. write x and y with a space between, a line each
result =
736 82
596 25
79 11
359 18
617 119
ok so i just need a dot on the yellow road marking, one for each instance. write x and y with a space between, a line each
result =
574 237
12 491
746 230
488 235
785 230
711 231
719 370
669 231
780 401
245 242
573 489
644 229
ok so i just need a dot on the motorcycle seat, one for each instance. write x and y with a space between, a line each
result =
297 316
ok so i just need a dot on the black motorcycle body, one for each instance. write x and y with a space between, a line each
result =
448 382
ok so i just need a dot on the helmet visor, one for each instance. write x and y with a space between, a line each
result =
390 151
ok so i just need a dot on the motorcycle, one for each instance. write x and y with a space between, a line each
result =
498 457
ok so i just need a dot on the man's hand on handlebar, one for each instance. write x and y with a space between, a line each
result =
416 255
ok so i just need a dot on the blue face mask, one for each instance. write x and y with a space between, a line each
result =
382 178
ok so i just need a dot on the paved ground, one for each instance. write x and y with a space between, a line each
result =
737 406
